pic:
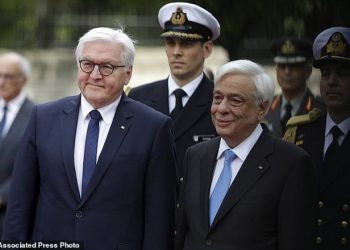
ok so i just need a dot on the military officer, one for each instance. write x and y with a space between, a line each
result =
326 138
186 95
293 68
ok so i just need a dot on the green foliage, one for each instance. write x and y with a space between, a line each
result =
246 25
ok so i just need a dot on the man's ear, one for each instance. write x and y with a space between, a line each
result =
207 48
262 110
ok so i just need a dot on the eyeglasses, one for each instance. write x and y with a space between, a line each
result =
105 69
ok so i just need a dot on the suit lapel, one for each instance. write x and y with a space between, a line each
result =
68 130
207 164
198 104
159 97
253 168
119 128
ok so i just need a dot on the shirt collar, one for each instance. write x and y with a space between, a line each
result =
242 150
295 102
107 112
344 126
189 88
16 102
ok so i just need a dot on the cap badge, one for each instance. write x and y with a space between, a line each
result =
288 47
179 17
336 45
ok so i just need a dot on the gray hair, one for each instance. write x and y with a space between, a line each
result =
114 36
23 62
265 88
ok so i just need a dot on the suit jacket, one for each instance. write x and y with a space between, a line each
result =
266 206
130 199
8 150
194 123
273 116
332 193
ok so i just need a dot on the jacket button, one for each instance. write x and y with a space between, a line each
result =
208 242
320 204
181 180
177 205
345 207
343 241
344 224
318 240
319 222
78 214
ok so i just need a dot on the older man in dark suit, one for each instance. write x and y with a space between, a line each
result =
189 32
245 189
97 168
15 110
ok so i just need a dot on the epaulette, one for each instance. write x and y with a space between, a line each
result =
293 122
313 115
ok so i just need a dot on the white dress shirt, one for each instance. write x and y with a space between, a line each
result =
13 107
241 150
189 88
107 114
344 126
296 102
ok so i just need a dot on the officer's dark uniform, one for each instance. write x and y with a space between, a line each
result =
332 191
290 52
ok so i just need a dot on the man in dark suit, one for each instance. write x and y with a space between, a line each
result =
326 138
245 189
15 110
293 68
97 168
186 94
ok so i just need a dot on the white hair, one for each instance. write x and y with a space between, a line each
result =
23 62
114 36
265 88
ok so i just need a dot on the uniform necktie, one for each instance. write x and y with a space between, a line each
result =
288 113
221 186
90 152
179 93
3 121
331 156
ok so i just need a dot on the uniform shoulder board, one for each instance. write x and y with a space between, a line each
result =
313 115
292 124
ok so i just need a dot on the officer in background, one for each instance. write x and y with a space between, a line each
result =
186 95
293 68
326 138
15 110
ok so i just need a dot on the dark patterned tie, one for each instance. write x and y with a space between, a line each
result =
179 93
332 153
3 121
90 152
286 117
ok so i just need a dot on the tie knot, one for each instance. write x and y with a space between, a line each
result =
179 93
5 108
336 132
94 114
229 155
288 107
